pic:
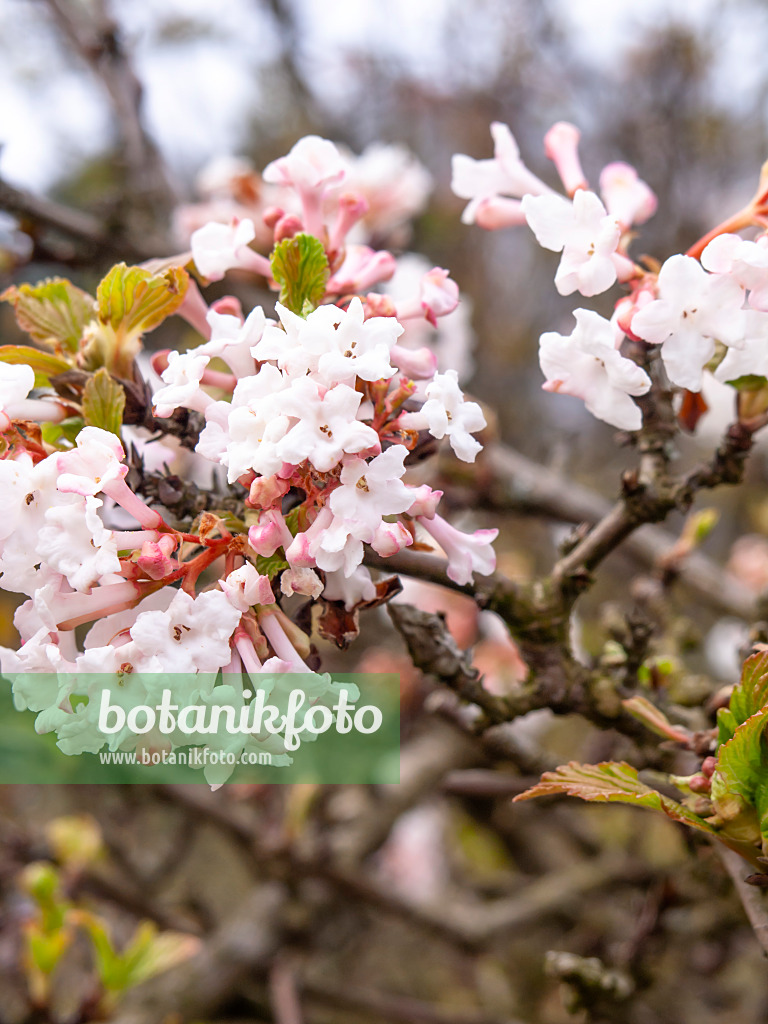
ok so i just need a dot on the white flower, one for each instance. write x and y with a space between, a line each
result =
752 359
256 423
217 248
349 589
232 340
74 542
586 234
182 379
505 175
369 491
95 463
326 426
313 163
333 344
746 262
693 311
446 413
588 365
16 381
192 635
16 482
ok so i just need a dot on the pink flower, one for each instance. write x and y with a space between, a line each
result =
626 197
467 553
312 166
439 294
505 175
245 587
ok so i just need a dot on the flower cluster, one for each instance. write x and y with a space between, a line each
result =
706 309
311 416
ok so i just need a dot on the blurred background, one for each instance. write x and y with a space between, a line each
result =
680 90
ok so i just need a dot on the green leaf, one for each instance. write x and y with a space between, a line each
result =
134 300
270 565
103 402
751 693
300 267
44 364
726 725
741 767
53 311
749 382
611 782
67 430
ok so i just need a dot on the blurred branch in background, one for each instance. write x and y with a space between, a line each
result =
96 37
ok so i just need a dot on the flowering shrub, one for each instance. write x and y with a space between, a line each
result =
314 416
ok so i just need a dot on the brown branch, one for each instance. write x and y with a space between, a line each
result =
75 224
434 651
752 898
506 481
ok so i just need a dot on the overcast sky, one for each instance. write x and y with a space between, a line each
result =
200 93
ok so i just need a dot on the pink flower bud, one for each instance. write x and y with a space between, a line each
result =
561 144
629 305
390 538
362 268
154 559
439 294
272 215
228 305
499 212
287 227
379 305
416 363
266 491
425 501
270 533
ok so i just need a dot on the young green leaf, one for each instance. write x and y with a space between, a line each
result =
300 267
751 694
132 299
741 769
44 364
54 312
612 782
104 402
